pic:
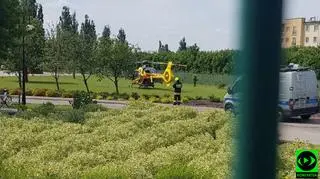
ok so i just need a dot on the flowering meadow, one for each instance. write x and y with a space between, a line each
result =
141 141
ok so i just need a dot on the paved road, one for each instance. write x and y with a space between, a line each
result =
107 103
295 129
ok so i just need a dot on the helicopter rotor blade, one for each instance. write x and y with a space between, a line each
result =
179 65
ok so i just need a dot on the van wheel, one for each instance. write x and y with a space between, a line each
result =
229 108
280 116
305 117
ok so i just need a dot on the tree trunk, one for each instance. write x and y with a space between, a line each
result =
85 80
74 74
116 85
20 79
26 76
56 77
20 86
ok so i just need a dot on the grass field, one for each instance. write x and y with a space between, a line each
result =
131 143
68 83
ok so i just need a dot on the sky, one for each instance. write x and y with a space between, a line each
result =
211 24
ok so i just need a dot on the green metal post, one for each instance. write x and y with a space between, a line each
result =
259 64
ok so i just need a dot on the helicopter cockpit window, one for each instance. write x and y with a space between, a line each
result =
150 70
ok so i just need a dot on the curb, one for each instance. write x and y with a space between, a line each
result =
70 99
101 101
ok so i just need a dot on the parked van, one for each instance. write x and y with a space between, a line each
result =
298 93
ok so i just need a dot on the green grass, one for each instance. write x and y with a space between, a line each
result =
68 83
206 79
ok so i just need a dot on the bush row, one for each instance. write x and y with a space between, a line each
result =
50 111
112 96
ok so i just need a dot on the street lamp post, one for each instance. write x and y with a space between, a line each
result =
23 63
26 28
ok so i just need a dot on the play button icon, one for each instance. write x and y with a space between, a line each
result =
306 161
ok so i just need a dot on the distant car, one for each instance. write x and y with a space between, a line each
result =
298 93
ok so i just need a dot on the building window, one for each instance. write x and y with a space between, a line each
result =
307 28
316 28
314 39
294 41
287 29
307 39
294 30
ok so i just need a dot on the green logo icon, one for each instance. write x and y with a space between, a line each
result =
307 164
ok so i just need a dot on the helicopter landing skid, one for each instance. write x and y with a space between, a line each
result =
146 86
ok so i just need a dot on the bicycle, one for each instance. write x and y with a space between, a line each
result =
7 102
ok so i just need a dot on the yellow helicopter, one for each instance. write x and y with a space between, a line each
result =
146 75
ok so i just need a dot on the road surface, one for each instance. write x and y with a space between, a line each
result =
308 131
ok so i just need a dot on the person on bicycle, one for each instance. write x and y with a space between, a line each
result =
177 91
4 97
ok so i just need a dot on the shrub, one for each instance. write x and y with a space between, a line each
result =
198 98
99 97
110 98
131 99
20 107
154 99
104 95
93 95
67 94
124 96
221 85
29 92
145 96
45 109
74 116
39 92
94 108
214 99
166 96
189 98
177 171
27 115
53 93
16 91
81 99
166 100
185 100
156 96
135 95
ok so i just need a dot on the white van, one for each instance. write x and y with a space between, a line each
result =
298 93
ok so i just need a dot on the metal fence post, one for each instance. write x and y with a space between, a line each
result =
259 64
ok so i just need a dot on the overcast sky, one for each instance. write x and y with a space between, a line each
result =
212 24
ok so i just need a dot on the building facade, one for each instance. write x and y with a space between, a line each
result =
293 32
299 32
312 33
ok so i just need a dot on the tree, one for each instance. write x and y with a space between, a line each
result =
69 33
55 60
115 59
183 44
163 48
9 21
66 20
106 32
74 24
35 38
87 44
32 8
122 36
40 14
